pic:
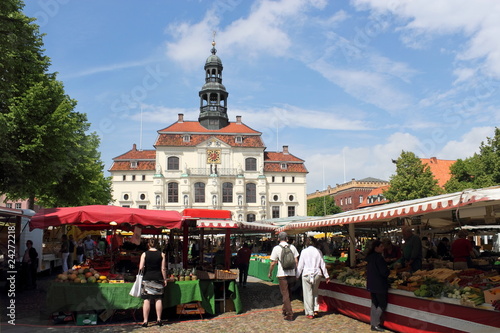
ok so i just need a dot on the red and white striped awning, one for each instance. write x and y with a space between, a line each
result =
254 226
213 223
387 212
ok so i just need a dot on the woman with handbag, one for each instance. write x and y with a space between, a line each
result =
154 266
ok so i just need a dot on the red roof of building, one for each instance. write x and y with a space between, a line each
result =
196 127
177 140
274 160
439 168
375 192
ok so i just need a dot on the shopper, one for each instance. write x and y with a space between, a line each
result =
392 252
29 266
243 259
64 252
377 273
71 248
286 278
313 269
461 250
89 246
154 266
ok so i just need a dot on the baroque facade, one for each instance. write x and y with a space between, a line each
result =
212 163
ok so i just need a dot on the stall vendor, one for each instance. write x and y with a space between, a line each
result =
412 250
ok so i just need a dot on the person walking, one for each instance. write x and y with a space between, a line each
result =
286 277
377 273
154 266
243 259
312 267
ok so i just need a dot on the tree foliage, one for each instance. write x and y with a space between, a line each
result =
480 170
322 206
45 150
413 180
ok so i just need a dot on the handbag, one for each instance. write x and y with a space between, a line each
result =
136 287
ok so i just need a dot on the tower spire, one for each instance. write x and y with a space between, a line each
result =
213 94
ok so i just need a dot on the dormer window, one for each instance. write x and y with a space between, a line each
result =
186 138
133 164
239 139
283 166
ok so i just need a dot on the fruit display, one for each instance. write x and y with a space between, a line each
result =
180 274
82 274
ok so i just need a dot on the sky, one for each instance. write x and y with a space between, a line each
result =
346 85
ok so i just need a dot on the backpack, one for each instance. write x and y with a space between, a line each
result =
287 258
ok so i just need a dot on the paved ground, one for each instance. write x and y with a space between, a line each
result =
262 313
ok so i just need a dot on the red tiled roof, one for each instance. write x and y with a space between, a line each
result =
375 192
439 168
195 139
196 127
280 157
125 166
135 154
290 167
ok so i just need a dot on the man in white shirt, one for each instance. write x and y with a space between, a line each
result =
313 268
286 278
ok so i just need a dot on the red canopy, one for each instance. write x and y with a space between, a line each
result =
195 213
100 216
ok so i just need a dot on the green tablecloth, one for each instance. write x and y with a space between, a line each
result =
260 270
99 296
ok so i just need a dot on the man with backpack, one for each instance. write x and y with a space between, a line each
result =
286 256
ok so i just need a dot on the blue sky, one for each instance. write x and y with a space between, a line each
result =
347 85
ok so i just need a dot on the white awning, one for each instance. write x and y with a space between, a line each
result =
213 223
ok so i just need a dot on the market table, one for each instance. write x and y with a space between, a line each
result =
99 296
260 270
408 313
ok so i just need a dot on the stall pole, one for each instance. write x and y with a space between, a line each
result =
352 246
228 249
185 245
202 245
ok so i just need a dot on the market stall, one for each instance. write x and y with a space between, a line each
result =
406 313
408 310
105 296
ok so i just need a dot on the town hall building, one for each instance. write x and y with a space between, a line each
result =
212 163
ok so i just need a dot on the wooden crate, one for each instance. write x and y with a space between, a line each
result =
222 275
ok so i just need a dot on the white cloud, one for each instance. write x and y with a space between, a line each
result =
476 20
262 32
371 87
361 162
467 145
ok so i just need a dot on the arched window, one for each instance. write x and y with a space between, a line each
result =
250 217
251 193
227 192
173 192
199 192
173 163
251 164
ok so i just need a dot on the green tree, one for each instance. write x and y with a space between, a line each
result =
322 206
480 170
45 151
413 180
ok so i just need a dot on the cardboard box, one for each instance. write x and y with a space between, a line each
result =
229 306
86 318
491 295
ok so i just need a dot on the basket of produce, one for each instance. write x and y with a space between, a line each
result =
225 275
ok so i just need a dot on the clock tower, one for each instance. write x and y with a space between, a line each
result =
213 95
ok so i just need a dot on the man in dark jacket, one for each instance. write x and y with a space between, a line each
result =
30 265
377 273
